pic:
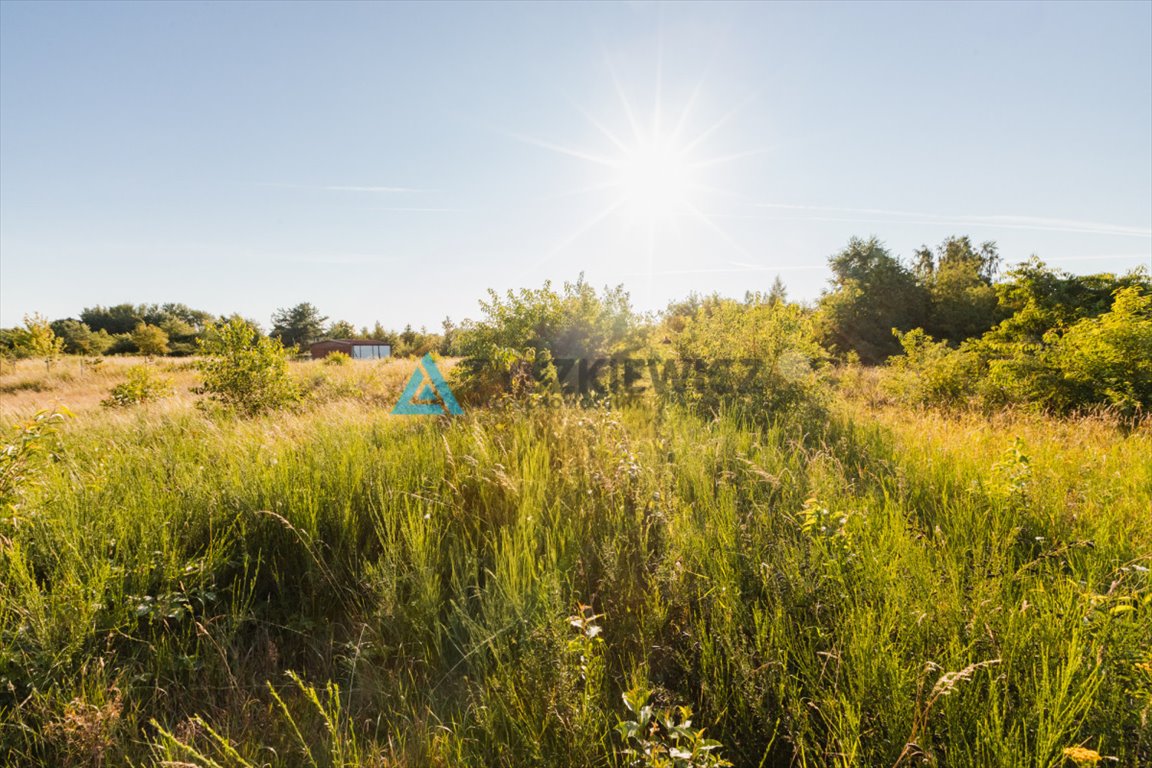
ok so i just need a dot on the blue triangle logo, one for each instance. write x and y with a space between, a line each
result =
427 393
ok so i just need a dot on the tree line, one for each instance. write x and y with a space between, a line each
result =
953 293
178 330
950 326
956 332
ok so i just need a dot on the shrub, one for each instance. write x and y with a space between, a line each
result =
37 339
121 344
79 339
664 738
336 358
21 456
872 292
511 351
506 373
931 372
759 358
141 386
1108 359
245 372
1096 361
150 340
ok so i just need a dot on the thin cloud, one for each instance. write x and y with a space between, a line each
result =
1004 222
743 268
1144 258
371 188
342 188
421 210
344 258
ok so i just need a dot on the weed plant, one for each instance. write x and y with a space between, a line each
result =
339 587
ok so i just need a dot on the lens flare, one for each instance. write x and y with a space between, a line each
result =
653 173
654 180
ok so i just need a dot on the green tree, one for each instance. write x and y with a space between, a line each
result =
1033 359
121 318
194 319
178 320
677 314
341 329
413 343
245 372
150 340
225 319
779 293
574 322
79 339
177 328
379 333
37 339
298 326
122 344
449 338
872 293
9 343
1038 299
1108 359
962 302
182 334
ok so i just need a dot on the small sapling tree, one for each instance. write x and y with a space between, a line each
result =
245 372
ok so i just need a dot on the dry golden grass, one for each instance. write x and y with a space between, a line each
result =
27 386
1075 467
1101 445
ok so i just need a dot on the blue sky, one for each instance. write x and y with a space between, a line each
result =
391 162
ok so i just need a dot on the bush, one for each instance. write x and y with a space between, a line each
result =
513 349
79 339
932 373
760 358
22 453
336 358
1108 359
37 339
141 386
664 738
872 292
150 340
121 344
245 372
1096 361
510 374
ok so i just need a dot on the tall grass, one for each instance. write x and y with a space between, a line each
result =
341 587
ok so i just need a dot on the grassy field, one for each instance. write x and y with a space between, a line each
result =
336 586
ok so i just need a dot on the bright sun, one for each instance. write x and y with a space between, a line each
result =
652 171
655 180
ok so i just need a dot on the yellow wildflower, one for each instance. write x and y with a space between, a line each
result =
1082 755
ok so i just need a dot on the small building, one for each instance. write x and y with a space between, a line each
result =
357 349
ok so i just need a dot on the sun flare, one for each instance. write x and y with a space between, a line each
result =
655 179
656 168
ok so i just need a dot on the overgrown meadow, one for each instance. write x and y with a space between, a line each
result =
245 561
